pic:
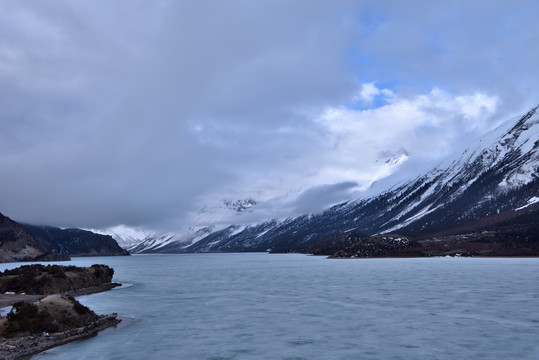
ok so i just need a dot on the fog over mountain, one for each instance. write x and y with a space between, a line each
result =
491 187
142 113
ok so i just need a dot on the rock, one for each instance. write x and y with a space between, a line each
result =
52 279
54 320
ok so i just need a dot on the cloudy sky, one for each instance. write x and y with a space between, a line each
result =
141 112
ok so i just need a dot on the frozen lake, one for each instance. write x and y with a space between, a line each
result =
260 306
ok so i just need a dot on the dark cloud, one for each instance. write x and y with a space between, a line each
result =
129 112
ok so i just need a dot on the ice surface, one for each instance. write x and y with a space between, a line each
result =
262 306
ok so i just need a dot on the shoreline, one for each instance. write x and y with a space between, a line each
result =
10 299
25 346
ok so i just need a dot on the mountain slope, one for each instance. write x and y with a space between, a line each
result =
497 174
74 242
125 236
16 244
217 214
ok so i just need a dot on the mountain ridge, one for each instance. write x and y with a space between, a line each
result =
24 242
74 241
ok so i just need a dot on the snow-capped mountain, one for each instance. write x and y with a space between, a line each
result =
125 236
171 242
396 158
225 210
497 174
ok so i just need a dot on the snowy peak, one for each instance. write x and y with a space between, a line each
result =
240 205
172 242
125 236
208 219
396 158
526 122
223 210
227 206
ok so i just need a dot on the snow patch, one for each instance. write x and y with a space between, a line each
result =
238 230
532 201
408 221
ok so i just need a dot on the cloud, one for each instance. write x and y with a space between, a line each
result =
484 46
320 197
116 113
360 146
368 92
141 112
429 126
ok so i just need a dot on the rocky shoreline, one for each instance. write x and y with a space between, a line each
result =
23 346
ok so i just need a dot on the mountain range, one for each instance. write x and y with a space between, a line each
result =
491 186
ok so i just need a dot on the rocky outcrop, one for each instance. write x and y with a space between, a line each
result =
31 328
511 240
54 279
16 244
387 245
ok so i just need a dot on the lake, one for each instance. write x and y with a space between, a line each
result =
291 306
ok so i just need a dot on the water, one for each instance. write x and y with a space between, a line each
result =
260 306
